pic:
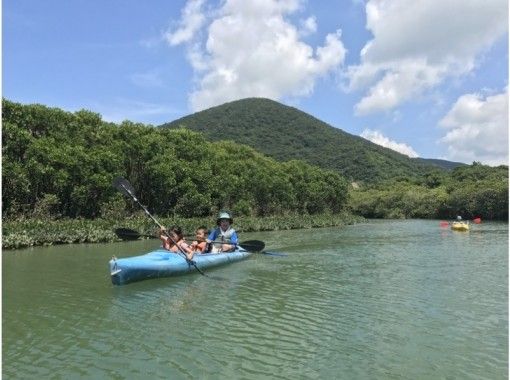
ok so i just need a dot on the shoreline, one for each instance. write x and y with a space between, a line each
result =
17 234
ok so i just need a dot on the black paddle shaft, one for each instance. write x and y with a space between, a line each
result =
125 188
128 234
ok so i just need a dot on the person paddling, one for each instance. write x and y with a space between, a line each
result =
175 241
224 232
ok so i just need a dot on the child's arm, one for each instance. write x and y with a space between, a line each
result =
186 249
164 238
202 247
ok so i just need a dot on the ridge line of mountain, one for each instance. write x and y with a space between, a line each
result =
285 133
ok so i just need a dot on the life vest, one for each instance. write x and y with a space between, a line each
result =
169 245
201 247
224 235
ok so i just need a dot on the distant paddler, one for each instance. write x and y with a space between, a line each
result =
460 225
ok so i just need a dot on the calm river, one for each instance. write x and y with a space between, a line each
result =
381 300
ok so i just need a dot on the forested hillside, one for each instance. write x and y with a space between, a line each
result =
63 164
444 164
469 191
287 133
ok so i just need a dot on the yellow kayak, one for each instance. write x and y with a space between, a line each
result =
460 226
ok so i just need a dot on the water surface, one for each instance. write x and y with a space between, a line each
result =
385 299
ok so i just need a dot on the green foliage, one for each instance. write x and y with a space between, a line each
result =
285 133
36 232
57 164
470 191
46 207
480 190
62 164
114 209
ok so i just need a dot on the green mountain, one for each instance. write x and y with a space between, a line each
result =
287 133
444 164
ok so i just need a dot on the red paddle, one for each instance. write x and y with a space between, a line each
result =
444 223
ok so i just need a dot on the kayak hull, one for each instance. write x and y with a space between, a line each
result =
460 226
163 263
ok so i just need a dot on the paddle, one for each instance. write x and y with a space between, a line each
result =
125 188
444 223
252 245
128 234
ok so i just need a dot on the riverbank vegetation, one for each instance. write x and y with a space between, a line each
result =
36 232
469 191
64 163
58 167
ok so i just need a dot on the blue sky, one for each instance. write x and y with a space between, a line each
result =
428 78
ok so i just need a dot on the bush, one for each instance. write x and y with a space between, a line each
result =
47 207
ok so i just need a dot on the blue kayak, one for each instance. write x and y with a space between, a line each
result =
163 263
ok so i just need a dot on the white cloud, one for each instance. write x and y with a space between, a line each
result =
308 26
252 50
192 20
378 138
418 45
478 129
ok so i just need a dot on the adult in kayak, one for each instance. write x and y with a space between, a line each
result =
224 233
173 241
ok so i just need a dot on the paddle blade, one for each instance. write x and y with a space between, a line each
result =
253 245
477 220
443 223
127 234
124 187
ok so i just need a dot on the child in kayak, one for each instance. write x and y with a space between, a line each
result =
224 232
200 245
175 243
